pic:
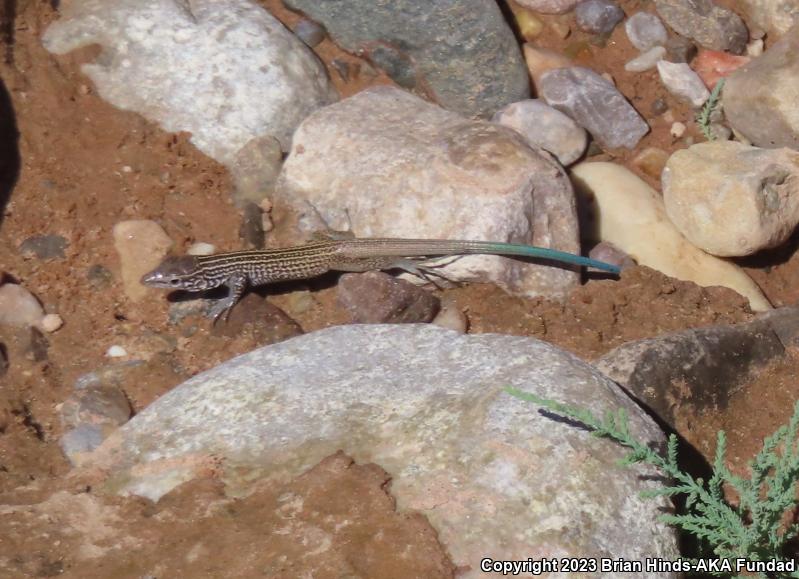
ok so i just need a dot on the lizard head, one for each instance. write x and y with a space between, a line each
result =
178 273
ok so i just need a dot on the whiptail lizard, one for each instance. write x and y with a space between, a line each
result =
238 269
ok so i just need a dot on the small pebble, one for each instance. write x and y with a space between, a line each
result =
452 318
310 32
677 129
18 306
201 248
681 81
529 25
598 16
116 352
51 322
647 60
659 106
609 253
679 49
99 276
44 247
645 31
755 48
343 68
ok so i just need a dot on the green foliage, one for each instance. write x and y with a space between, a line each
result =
754 528
703 118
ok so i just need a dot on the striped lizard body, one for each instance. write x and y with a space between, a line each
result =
238 269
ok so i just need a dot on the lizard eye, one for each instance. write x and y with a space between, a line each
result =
174 282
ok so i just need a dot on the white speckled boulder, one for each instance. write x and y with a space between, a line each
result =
494 476
226 75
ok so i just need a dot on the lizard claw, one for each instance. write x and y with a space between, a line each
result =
221 309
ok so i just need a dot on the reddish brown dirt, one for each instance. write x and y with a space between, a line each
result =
323 524
75 150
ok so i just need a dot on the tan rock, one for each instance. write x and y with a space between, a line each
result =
731 199
141 245
631 216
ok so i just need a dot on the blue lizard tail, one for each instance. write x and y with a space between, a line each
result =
543 253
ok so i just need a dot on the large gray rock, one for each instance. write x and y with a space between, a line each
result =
697 370
703 21
775 17
760 98
227 76
494 477
595 104
730 199
389 164
459 53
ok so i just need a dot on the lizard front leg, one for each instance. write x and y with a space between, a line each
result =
236 285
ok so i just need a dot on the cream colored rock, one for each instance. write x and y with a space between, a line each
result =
631 216
731 199
141 245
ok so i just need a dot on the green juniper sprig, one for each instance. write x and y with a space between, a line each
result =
752 529
703 118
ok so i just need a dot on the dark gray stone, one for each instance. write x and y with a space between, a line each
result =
699 368
310 32
598 16
595 104
711 26
44 247
679 49
376 297
460 53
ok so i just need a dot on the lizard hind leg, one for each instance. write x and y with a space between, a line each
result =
427 273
